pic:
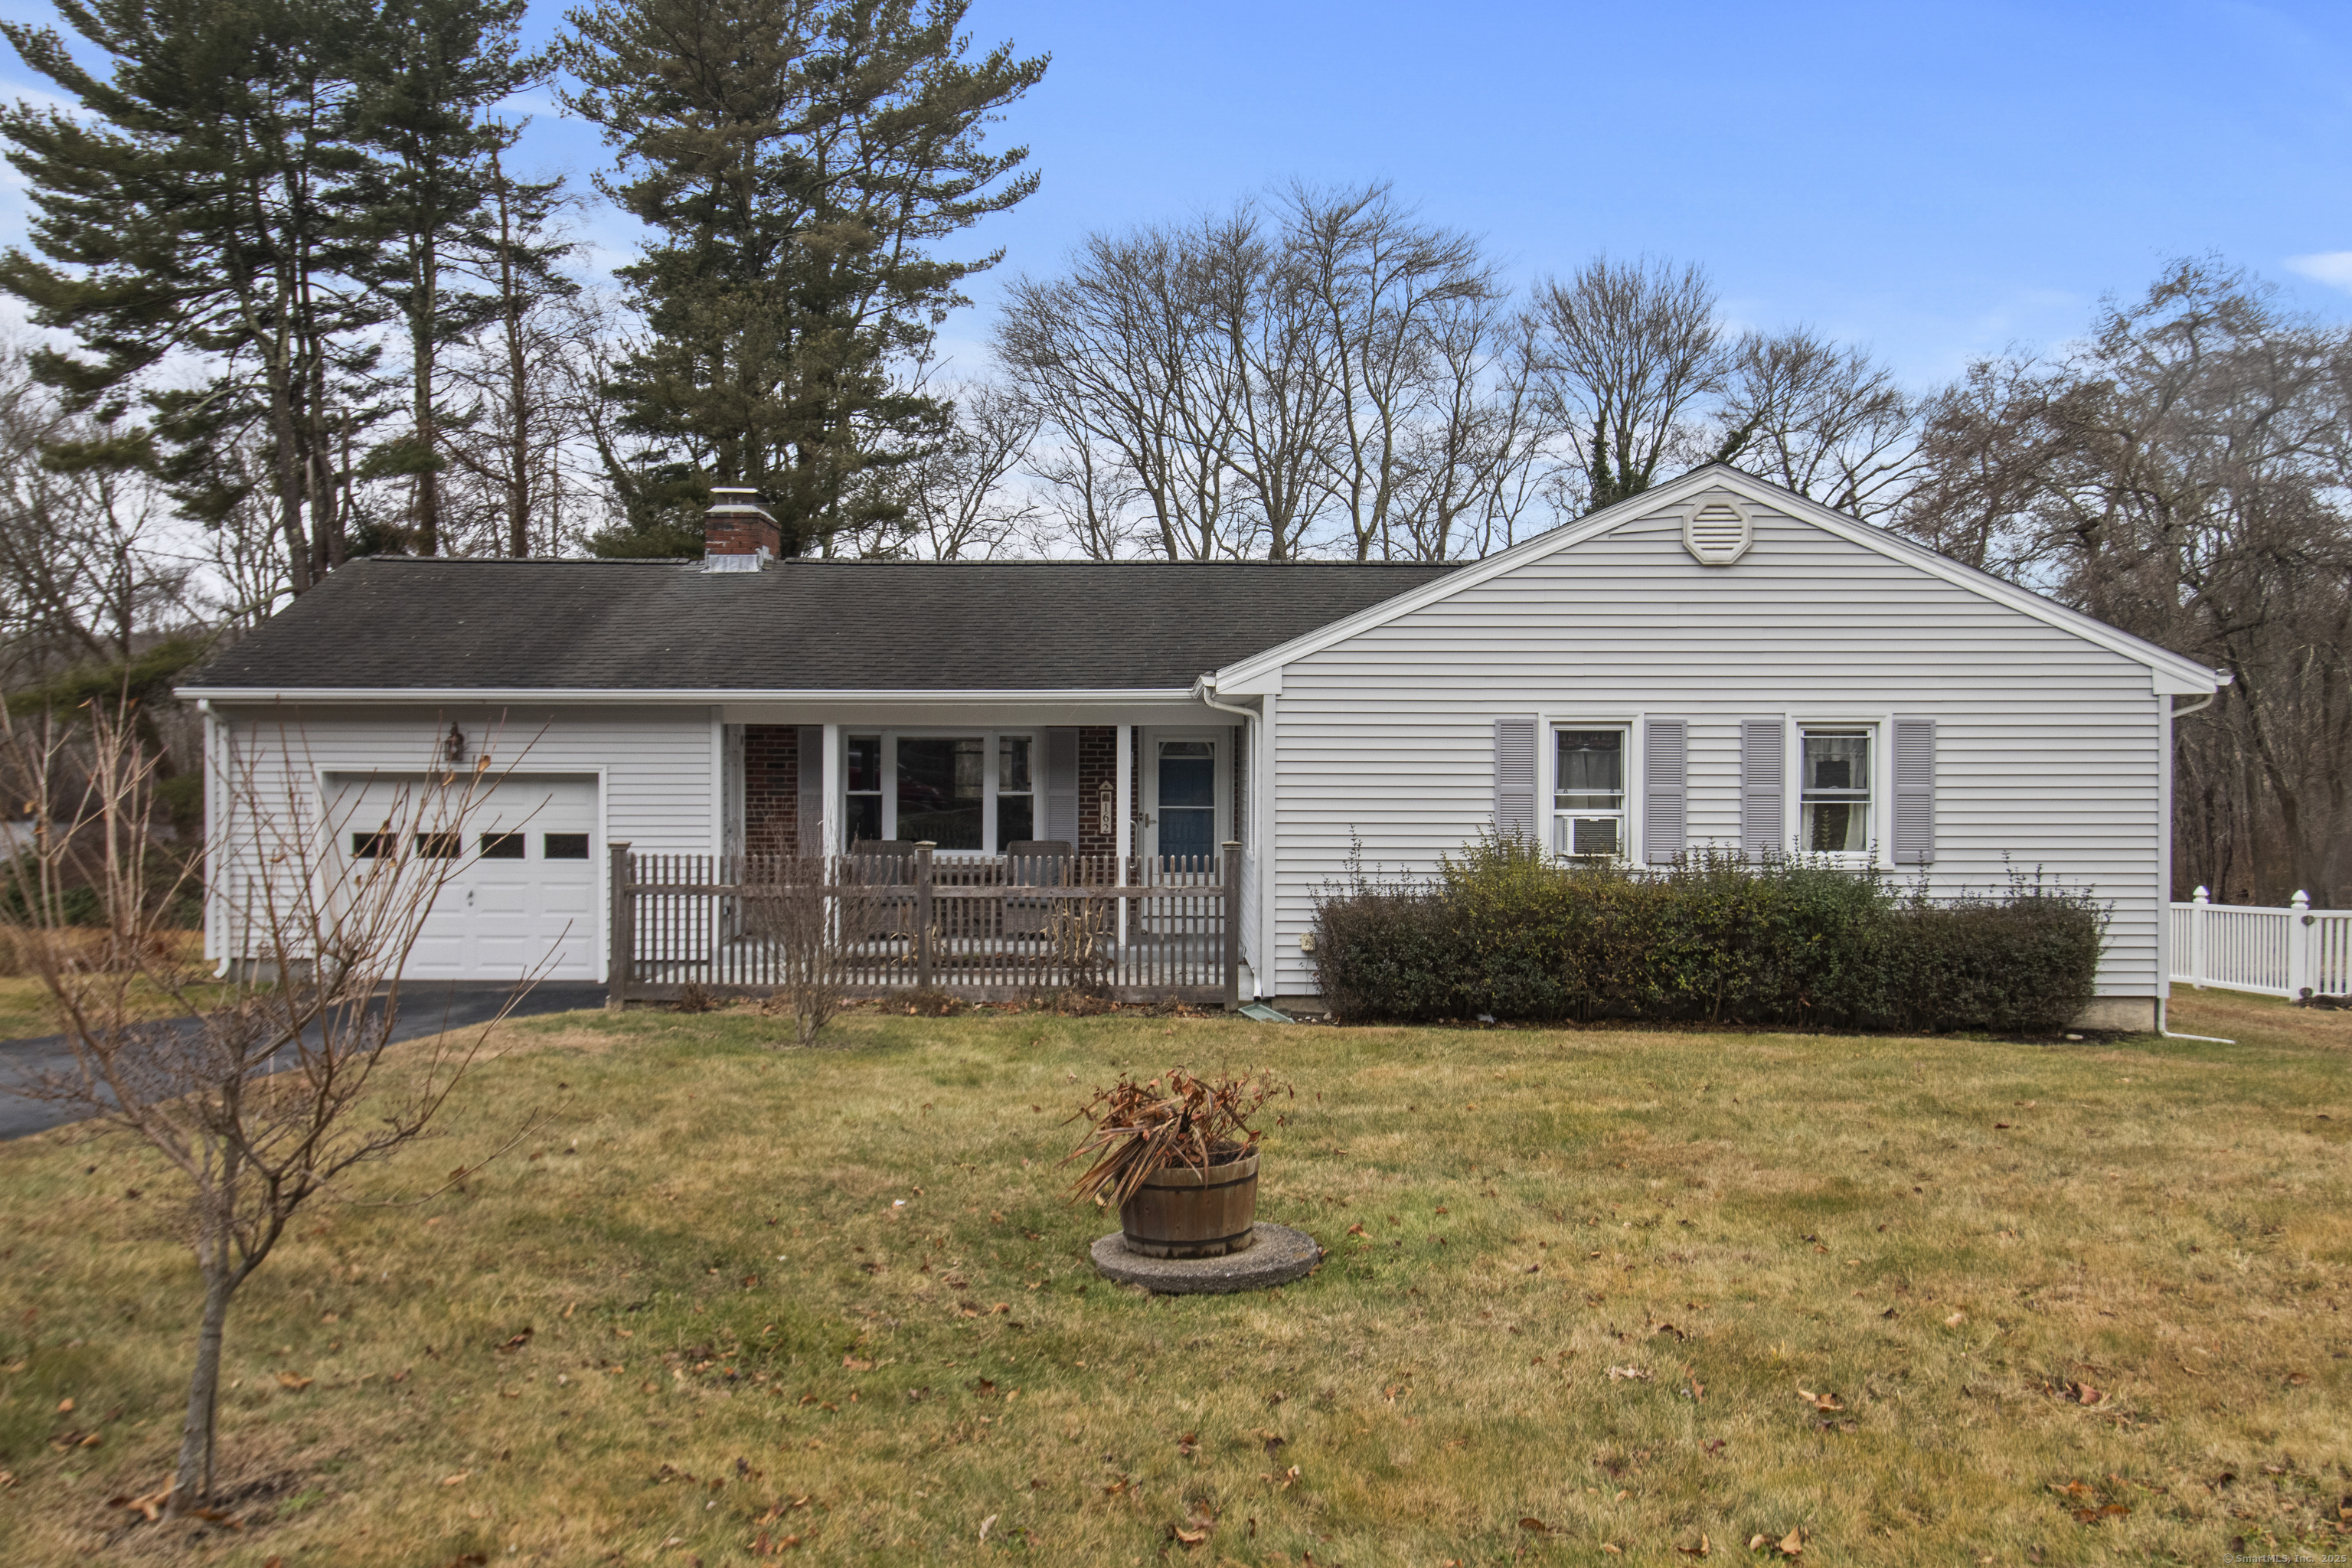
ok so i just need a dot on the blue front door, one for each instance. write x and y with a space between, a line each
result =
1188 801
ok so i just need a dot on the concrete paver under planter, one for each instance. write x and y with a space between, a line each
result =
1277 1255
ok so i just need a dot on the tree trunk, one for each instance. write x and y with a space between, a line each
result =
192 1486
518 379
425 322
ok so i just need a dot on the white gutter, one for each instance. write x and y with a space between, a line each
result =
1208 683
1029 695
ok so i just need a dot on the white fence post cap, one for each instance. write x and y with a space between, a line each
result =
2198 897
2302 900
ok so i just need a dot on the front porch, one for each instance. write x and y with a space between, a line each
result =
988 928
1131 788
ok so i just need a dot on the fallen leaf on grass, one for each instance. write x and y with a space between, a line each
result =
453 1480
1536 1525
2081 1394
1701 1550
1199 1521
1822 1401
854 1365
517 1343
1629 1374
986 1525
1956 1320
148 1505
1187 1445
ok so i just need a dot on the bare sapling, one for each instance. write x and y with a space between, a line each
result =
812 917
261 1087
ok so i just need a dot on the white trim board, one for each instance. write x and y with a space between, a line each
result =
2172 674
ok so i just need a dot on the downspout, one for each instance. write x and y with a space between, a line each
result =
2196 707
1201 687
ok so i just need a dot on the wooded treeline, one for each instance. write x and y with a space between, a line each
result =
302 308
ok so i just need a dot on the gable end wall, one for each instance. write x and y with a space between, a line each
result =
2050 748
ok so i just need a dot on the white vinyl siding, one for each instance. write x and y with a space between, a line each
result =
656 765
2049 749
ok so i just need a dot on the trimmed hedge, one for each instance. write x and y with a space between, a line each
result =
1505 932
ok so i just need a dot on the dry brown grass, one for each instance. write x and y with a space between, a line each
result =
27 1009
737 1340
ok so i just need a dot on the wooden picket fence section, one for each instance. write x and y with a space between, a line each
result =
987 928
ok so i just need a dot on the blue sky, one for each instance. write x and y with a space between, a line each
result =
1938 181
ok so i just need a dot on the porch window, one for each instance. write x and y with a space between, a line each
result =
1588 796
1836 794
863 820
942 787
1016 814
968 792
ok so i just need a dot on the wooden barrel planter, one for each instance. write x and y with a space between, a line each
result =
1184 1213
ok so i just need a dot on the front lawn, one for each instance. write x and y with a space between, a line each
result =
1591 1296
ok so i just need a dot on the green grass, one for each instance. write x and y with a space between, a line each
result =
740 1344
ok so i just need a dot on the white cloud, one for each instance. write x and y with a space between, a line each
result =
2332 267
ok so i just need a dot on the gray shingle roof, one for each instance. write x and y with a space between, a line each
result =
394 622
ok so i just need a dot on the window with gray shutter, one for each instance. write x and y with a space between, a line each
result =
810 805
1061 786
1514 778
1915 792
1763 785
1665 789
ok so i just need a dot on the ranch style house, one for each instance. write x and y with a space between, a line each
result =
1717 662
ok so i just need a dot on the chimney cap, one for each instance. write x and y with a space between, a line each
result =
736 497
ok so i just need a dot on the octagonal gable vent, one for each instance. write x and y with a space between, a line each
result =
1718 534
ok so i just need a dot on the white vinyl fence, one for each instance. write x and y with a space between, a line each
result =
2294 951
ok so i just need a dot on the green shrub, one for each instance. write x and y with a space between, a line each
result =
1504 933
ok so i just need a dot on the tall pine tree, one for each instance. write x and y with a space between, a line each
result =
798 162
429 78
203 204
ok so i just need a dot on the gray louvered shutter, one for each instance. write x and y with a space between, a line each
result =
1763 785
1665 789
1915 792
810 804
1061 785
1514 778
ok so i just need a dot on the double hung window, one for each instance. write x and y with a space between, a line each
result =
1588 798
971 792
1016 813
1834 789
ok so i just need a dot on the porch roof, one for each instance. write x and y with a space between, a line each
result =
395 624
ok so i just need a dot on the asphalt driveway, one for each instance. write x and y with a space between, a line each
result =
425 1007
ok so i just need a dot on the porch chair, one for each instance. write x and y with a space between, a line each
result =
1033 863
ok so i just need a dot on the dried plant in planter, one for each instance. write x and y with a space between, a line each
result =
1176 1118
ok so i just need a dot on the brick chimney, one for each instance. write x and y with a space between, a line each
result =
738 533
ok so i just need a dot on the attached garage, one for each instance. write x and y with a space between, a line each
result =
525 885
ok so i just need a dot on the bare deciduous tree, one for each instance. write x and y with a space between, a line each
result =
1817 417
1125 353
1631 352
265 1099
957 501
2182 476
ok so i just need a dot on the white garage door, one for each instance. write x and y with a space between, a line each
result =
525 883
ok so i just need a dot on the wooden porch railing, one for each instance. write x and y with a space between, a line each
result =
988 928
